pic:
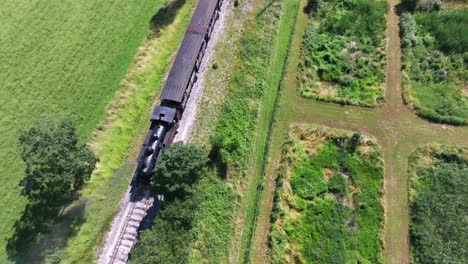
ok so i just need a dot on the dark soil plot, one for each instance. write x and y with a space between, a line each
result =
342 57
327 206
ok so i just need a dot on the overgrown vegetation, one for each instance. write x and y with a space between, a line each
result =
435 52
327 206
438 204
342 57
240 138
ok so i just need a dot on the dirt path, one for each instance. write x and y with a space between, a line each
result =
395 127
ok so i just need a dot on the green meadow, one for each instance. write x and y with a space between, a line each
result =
59 57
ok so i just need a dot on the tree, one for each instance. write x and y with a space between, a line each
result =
179 168
57 164
409 5
170 238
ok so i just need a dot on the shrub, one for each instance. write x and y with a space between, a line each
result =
314 7
407 30
409 5
448 28
169 239
180 167
431 5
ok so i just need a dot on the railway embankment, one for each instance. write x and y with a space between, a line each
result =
123 232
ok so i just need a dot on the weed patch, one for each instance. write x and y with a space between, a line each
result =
327 206
434 47
342 57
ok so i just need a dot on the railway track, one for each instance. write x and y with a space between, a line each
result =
128 236
139 202
136 210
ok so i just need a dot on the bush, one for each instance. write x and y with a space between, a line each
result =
431 5
448 28
180 167
314 7
409 5
407 30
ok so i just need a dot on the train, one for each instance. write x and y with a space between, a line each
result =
180 81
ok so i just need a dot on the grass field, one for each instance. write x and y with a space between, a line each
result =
59 57
327 208
438 204
70 57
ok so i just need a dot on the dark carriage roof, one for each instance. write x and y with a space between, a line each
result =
179 76
202 16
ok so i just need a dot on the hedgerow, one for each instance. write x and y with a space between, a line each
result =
327 206
342 59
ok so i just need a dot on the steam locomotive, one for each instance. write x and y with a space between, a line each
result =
179 84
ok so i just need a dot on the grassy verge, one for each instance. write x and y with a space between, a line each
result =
435 46
59 57
239 140
327 207
343 58
78 234
438 204
117 141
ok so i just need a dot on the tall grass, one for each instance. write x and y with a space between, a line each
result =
327 207
438 204
342 57
240 137
435 65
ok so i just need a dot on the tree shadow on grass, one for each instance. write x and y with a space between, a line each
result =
164 17
40 231
216 159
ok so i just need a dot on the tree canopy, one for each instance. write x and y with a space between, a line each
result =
176 176
179 168
170 238
56 162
